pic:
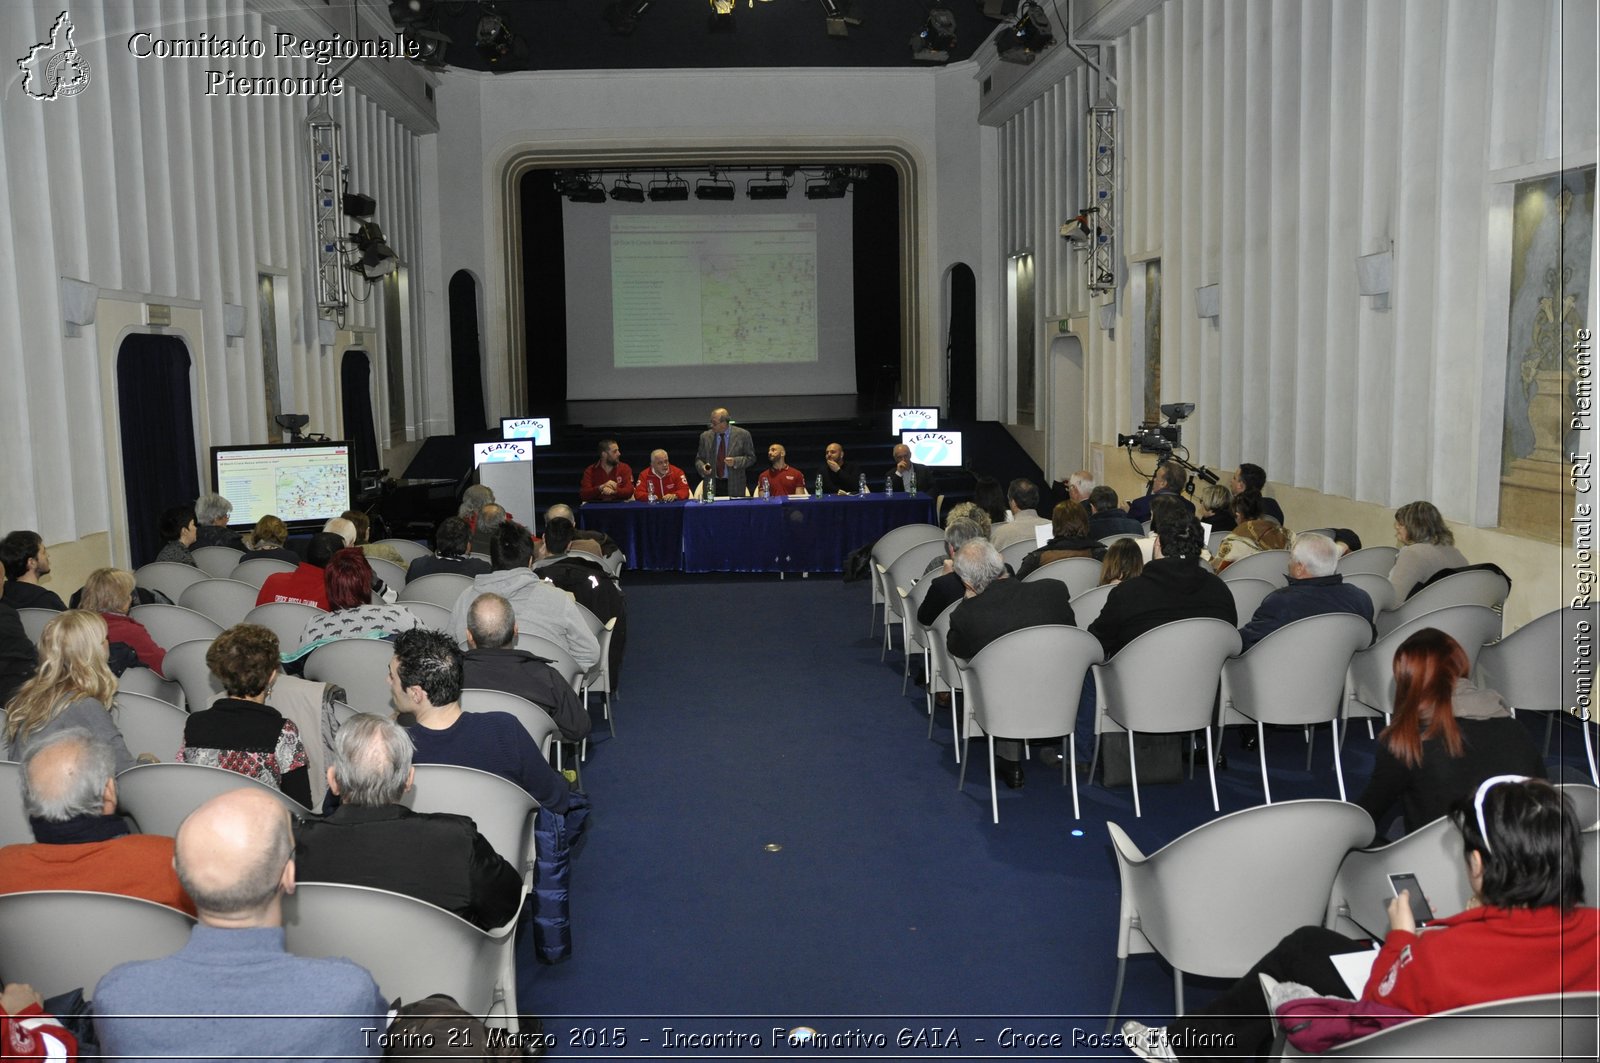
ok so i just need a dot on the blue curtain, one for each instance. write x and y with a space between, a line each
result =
159 468
355 380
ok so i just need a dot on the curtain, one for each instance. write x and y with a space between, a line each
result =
355 387
156 413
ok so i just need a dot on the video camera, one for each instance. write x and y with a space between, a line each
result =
1153 437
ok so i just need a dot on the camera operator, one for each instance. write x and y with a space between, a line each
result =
1170 479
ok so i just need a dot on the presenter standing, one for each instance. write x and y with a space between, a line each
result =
726 450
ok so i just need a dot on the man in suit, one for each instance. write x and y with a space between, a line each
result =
371 839
903 464
1023 497
725 451
996 606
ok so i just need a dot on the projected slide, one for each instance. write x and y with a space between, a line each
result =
297 483
713 290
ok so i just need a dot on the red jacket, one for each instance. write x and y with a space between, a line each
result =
31 1034
597 474
125 629
672 485
1485 954
134 865
307 585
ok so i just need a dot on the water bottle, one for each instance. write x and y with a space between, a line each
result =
650 489
911 481
819 485
888 484
766 488
708 489
861 486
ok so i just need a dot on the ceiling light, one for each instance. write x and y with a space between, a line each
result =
376 258
627 191
832 185
721 20
1024 39
841 15
623 16
495 39
766 189
357 205
932 43
669 190
714 187
579 187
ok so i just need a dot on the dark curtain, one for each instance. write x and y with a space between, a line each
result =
875 219
159 468
466 360
544 294
355 383
962 349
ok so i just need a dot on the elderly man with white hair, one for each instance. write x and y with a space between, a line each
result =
1314 588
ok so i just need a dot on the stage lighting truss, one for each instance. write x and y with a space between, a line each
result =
327 228
932 43
1024 39
1100 267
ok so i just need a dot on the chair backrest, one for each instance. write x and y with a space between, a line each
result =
907 569
501 809
911 602
409 549
1370 679
1270 565
1529 666
1107 540
287 620
359 923
1586 803
1248 593
559 657
106 929
439 588
14 828
1591 863
431 616
1214 541
255 570
392 574
1558 1026
599 676
169 577
1136 688
227 601
171 624
944 665
186 662
216 561
1080 574
142 680
33 621
534 719
896 541
1086 606
1019 685
1378 588
1295 675
1358 902
1015 552
1379 560
149 725
361 666
1474 587
1213 901
159 796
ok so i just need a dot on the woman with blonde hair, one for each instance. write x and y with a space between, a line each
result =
270 539
1427 547
72 688
109 592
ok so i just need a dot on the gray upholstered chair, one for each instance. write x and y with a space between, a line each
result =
890 545
106 929
1474 587
1369 681
1378 560
1270 565
227 601
171 624
1080 574
160 796
169 577
149 725
1559 1026
440 588
1359 899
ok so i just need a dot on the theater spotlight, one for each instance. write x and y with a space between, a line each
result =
840 16
767 188
579 187
624 16
376 258
932 43
627 191
669 190
714 187
357 205
832 185
495 39
1024 39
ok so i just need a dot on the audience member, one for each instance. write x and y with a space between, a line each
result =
1253 479
609 552
1079 486
542 608
1215 507
1071 539
994 606
72 689
18 658
233 990
920 474
780 478
353 614
363 526
307 584
425 681
270 538
1107 519
69 792
1524 933
1123 560
27 1033
1022 498
947 588
26 562
310 706
724 453
662 481
473 499
1427 547
1444 738
989 496
371 839
585 578
1252 532
609 479
1170 479
109 592
1347 540
1315 587
493 662
490 518
343 527
1173 586
839 477
241 732
211 513
452 541
177 529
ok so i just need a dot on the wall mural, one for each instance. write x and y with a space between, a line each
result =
1552 226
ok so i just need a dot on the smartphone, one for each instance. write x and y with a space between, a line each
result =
1421 914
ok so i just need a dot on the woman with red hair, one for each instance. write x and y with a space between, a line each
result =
1446 736
349 582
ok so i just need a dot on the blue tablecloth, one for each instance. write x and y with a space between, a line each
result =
650 535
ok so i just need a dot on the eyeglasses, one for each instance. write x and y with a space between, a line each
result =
1483 791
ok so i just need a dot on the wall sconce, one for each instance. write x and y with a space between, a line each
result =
1107 314
78 299
1208 301
1374 275
233 321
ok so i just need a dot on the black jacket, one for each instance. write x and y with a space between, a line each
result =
20 595
1303 598
461 566
433 856
1168 589
1007 605
1499 746
587 580
847 479
1113 522
17 656
528 676
1059 548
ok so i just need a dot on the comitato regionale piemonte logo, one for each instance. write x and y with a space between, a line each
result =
55 68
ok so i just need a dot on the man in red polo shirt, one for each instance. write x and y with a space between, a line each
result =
609 479
307 583
782 478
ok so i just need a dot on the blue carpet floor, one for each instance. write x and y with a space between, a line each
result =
776 842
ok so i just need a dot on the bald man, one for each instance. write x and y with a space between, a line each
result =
782 478
235 857
839 477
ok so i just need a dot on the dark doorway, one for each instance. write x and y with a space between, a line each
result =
466 353
156 412
355 388
961 346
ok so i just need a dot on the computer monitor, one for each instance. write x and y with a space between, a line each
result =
913 419
937 448
303 484
534 428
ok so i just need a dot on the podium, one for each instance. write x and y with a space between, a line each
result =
512 484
